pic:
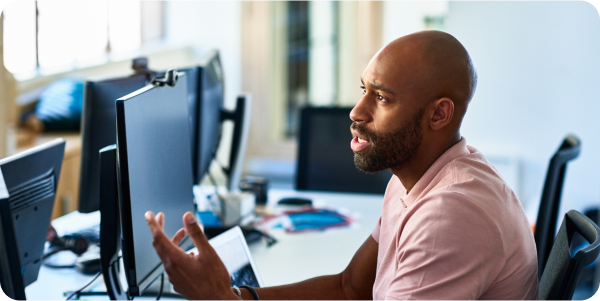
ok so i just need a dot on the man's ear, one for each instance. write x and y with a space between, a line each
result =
442 114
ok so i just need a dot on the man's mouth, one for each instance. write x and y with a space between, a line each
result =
359 144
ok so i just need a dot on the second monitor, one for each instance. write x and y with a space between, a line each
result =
204 97
154 173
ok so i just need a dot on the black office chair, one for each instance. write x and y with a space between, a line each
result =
325 160
562 271
545 227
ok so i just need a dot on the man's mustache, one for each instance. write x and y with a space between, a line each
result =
361 129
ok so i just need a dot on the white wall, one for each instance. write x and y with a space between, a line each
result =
405 17
207 25
539 79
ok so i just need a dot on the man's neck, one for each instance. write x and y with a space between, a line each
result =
428 153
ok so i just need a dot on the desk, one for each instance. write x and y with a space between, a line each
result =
299 256
296 256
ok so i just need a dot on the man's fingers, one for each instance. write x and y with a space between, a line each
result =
160 218
193 230
178 237
163 245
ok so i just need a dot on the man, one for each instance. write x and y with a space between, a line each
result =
450 228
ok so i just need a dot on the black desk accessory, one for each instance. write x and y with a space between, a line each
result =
258 186
74 243
89 264
295 201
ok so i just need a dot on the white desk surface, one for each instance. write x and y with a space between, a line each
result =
295 257
299 256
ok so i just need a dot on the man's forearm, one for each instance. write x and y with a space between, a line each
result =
318 288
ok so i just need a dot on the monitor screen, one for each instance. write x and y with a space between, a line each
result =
99 130
154 173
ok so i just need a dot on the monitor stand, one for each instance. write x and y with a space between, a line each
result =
110 227
241 119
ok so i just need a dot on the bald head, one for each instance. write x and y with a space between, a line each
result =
415 94
431 65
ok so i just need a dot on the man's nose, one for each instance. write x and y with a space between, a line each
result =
361 112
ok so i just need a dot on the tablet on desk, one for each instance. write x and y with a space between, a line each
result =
233 251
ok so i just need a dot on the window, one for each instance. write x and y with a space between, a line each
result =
312 57
42 37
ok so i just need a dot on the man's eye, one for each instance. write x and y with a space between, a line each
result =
364 90
381 97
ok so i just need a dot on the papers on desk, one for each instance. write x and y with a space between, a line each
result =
307 219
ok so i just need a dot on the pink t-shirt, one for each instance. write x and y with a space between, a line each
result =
460 233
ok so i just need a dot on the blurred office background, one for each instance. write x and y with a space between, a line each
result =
538 65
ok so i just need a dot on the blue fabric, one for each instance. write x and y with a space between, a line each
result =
209 219
317 220
60 105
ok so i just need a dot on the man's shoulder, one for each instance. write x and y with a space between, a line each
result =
472 176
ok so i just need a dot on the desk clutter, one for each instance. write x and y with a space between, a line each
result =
305 219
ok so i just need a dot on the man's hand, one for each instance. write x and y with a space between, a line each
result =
195 276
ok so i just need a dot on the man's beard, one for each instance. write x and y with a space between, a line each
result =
392 150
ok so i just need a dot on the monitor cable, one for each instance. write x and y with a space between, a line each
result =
78 292
158 295
162 283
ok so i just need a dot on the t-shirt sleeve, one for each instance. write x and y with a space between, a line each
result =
449 249
376 230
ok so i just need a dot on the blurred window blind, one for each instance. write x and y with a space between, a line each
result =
42 37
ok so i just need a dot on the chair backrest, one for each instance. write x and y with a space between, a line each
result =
545 227
325 160
562 271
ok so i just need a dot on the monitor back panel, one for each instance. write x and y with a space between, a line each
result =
154 170
209 113
193 76
27 191
99 130
325 159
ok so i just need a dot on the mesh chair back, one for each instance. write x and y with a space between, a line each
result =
545 227
325 160
562 271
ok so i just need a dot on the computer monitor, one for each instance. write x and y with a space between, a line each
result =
28 182
154 173
205 110
325 160
205 103
98 130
